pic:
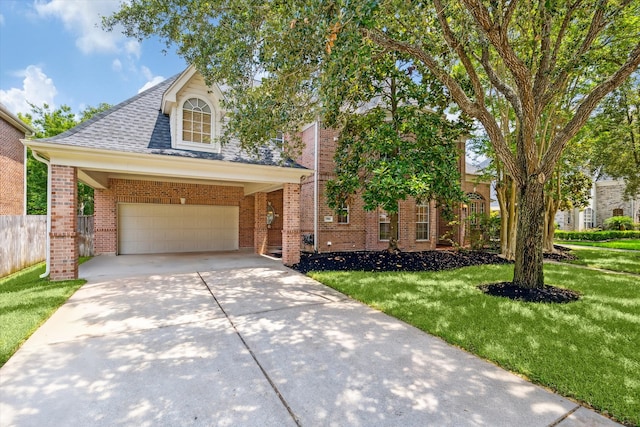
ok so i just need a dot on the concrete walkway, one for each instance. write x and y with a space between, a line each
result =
240 340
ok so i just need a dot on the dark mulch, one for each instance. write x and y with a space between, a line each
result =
545 294
401 261
560 254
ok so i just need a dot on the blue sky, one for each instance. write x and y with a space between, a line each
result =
55 52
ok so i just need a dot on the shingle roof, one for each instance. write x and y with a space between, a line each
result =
138 125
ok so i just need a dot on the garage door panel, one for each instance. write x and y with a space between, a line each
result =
151 228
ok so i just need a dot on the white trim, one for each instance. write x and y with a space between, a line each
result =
162 165
177 141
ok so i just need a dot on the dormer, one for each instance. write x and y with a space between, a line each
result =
195 112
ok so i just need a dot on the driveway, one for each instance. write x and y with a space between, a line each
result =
236 339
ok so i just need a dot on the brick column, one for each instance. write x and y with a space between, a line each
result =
105 222
260 232
291 224
64 222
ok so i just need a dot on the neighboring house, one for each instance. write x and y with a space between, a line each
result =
606 201
163 184
12 163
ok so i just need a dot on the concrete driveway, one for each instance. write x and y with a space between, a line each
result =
239 340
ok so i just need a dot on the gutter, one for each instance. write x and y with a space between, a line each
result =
316 161
48 254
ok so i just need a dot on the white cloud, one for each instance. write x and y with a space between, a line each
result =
1 19
83 18
116 65
151 83
151 79
37 89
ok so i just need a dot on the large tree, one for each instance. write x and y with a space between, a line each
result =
526 50
48 122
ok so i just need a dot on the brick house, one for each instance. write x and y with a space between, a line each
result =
12 163
163 184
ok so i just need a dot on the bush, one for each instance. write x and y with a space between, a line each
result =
618 223
597 236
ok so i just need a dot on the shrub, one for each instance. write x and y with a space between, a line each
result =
619 223
596 236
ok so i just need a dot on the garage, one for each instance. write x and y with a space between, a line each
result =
145 228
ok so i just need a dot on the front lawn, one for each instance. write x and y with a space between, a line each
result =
627 261
586 350
631 244
26 301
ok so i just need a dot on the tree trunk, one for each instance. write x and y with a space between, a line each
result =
549 224
393 229
507 193
528 270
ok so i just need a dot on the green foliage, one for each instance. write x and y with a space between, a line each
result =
596 235
48 123
483 230
618 223
586 350
612 136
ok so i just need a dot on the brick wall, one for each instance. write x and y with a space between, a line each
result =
11 170
64 245
609 196
136 191
362 230
291 224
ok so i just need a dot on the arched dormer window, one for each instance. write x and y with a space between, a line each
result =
197 122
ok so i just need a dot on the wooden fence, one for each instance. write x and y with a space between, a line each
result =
85 235
23 240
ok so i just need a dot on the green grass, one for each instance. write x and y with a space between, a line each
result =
628 262
26 301
631 244
586 350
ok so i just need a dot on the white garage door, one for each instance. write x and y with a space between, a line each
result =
149 228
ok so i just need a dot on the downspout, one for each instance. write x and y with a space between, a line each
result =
316 162
46 162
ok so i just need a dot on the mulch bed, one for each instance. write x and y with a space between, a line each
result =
545 294
401 261
436 261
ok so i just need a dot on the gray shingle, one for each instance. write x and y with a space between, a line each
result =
138 125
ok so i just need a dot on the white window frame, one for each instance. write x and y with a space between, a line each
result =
211 147
343 208
588 222
427 215
384 218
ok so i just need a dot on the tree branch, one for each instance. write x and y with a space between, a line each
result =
504 88
584 110
458 47
457 93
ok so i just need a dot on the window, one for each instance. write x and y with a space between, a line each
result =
588 218
422 222
343 214
384 225
196 121
476 207
618 212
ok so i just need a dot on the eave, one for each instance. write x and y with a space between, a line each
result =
96 166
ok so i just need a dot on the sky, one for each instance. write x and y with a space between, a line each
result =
55 52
